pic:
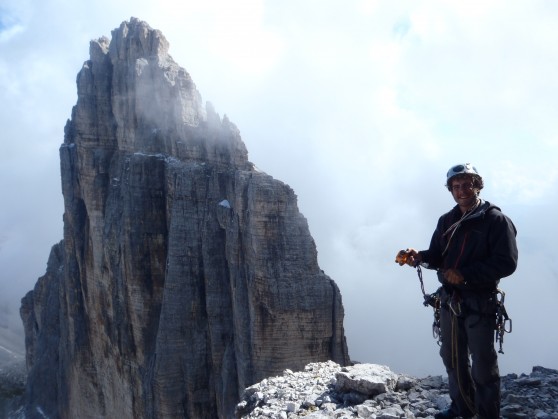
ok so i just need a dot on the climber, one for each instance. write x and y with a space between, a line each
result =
472 248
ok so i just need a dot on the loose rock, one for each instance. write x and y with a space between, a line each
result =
327 390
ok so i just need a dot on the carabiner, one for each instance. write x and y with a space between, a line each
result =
455 310
506 322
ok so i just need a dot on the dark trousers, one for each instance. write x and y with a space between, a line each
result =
467 350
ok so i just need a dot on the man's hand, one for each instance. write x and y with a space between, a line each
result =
409 257
454 277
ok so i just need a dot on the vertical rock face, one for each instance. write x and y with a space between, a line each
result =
185 275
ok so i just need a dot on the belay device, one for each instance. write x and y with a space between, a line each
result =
503 321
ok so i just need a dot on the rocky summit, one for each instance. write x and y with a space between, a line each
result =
185 274
328 390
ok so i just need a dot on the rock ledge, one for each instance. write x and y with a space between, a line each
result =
328 390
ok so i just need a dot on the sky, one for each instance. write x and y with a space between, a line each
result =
361 106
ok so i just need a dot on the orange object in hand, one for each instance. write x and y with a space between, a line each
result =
402 257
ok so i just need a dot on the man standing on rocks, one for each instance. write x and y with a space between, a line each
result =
472 248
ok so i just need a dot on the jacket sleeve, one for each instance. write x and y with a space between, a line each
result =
432 258
502 258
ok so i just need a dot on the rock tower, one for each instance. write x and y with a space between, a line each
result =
185 274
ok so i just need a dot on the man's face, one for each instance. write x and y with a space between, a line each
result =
463 191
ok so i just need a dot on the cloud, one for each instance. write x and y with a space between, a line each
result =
11 15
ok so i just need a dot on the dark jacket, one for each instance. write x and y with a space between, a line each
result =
483 247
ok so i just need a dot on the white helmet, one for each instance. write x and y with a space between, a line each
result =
464 169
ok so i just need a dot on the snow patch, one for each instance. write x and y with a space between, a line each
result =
168 159
41 412
7 350
225 203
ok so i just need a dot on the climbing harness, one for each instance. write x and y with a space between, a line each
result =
503 321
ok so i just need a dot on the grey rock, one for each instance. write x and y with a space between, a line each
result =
393 412
368 379
520 401
366 411
432 382
185 275
12 386
405 383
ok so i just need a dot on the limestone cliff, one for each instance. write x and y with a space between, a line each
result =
185 275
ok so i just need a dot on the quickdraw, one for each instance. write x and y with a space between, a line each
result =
432 300
503 321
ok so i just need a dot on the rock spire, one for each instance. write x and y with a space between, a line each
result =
184 275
